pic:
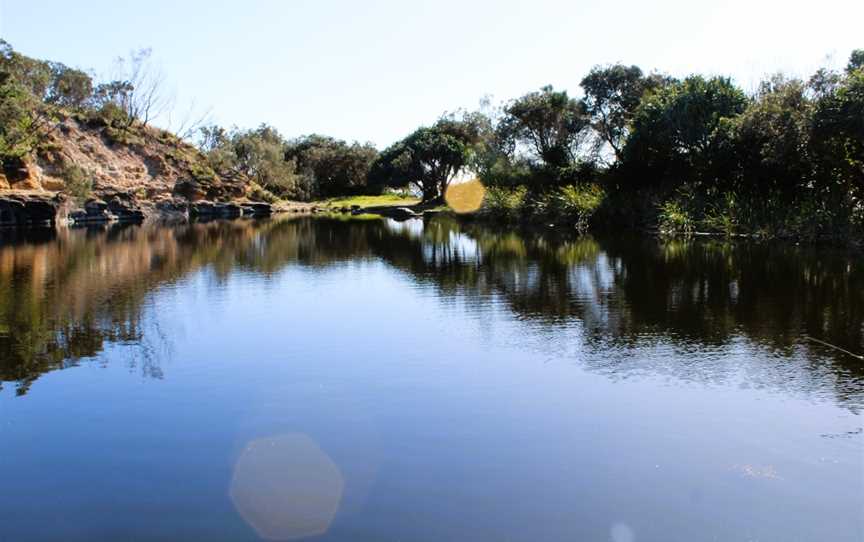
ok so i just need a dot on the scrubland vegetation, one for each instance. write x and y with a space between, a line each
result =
631 149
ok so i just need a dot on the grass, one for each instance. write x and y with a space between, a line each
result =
370 201
341 217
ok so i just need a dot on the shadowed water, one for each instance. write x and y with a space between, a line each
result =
368 380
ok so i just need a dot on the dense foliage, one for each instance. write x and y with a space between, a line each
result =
27 89
309 167
687 155
331 167
256 154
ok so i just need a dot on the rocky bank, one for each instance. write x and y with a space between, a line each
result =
129 174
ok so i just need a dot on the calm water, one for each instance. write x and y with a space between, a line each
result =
370 380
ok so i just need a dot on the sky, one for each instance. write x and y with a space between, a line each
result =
375 70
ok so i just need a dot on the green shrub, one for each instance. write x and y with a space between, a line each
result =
723 217
578 203
79 183
504 203
257 193
110 114
201 171
674 218
540 207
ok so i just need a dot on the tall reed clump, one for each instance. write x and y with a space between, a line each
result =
578 203
504 203
572 205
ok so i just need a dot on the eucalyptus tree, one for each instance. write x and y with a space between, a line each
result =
772 138
548 124
611 96
25 118
257 154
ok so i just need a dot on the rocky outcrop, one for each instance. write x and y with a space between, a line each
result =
196 190
125 208
30 209
118 208
145 161
257 209
129 174
210 209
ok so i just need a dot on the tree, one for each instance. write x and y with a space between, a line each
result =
33 75
612 95
429 159
21 122
24 119
772 137
332 167
216 144
492 160
838 131
684 128
548 124
110 99
260 155
257 154
70 88
137 89
856 61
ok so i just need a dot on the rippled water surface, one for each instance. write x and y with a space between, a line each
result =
368 380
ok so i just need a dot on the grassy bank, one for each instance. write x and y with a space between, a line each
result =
383 200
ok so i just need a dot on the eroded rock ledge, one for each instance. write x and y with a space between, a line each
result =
35 209
30 209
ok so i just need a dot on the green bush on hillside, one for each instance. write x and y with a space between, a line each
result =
79 183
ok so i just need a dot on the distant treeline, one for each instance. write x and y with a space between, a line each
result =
635 149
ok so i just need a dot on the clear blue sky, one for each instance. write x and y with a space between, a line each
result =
375 70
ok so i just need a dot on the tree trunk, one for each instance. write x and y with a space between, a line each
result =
430 192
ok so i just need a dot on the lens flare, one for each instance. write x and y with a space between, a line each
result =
465 197
286 487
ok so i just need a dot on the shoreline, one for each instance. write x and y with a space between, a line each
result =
23 209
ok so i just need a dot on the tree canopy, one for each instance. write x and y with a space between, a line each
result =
682 125
332 167
429 159
548 124
611 96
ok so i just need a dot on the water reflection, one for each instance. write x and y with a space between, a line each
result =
64 296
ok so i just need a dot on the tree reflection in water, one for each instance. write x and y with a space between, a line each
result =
64 295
